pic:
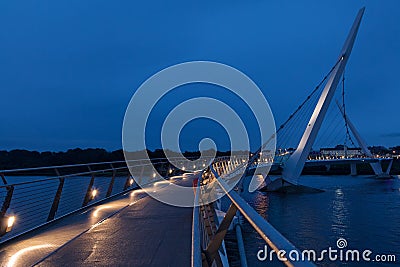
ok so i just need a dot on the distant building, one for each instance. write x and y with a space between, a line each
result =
395 152
340 151
379 150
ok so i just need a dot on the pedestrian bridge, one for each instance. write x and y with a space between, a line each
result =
101 214
96 214
101 217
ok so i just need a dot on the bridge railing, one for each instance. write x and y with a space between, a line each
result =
206 247
33 197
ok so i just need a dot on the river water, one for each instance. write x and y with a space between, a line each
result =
362 210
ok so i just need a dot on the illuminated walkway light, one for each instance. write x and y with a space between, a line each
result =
94 193
7 224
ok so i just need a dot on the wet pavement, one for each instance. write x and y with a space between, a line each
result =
131 230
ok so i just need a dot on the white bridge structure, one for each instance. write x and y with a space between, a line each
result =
293 163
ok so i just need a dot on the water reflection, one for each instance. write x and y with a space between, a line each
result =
339 213
355 208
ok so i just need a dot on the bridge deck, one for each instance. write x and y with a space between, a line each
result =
146 233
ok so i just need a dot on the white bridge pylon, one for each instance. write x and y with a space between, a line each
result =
294 165
376 166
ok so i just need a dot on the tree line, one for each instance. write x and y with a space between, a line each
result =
19 158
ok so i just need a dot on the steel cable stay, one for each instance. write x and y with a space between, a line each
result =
348 135
335 130
300 108
256 155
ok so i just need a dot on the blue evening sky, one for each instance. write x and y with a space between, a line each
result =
69 68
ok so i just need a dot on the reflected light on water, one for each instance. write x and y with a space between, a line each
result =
339 213
339 192
14 258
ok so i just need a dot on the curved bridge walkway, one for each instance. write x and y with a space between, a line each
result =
131 230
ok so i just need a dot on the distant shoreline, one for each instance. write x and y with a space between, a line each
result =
19 159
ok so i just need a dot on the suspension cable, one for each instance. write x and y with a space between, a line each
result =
309 96
348 136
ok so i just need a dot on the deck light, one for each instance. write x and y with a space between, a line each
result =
94 193
131 182
6 224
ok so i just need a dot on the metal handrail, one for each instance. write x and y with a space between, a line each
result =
196 260
59 166
267 232
160 161
84 164
63 176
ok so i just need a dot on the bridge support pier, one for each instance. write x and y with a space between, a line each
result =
353 169
111 185
88 196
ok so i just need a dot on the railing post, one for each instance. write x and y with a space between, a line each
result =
111 185
127 182
216 167
3 178
169 169
165 169
4 208
155 173
57 197
7 201
88 195
225 167
217 239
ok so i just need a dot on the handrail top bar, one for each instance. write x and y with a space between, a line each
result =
196 260
85 164
61 176
58 166
80 173
267 232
